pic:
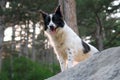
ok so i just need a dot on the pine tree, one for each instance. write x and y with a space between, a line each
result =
93 20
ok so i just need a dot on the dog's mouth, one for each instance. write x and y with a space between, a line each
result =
53 29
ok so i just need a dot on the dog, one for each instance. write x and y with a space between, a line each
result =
68 46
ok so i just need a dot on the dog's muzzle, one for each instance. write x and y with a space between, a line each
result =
52 28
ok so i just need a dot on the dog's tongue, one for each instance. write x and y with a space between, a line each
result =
53 30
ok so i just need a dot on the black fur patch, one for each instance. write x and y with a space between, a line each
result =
57 19
86 47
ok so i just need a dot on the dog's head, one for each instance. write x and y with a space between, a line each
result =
53 21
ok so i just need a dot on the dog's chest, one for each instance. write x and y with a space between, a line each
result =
59 44
65 41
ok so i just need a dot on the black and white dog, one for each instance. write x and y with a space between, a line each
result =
68 46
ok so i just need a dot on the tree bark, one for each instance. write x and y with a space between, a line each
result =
33 43
99 33
1 39
70 14
13 38
27 39
2 28
20 53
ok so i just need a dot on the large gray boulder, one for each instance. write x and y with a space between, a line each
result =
104 65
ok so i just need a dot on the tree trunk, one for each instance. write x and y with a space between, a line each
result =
99 33
27 39
13 38
12 52
70 14
2 28
1 39
20 53
33 43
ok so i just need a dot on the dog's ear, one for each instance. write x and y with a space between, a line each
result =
58 11
43 14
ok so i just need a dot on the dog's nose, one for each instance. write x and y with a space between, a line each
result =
51 26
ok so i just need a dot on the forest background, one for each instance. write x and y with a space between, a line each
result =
25 52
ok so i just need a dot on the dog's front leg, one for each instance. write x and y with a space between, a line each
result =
62 63
70 58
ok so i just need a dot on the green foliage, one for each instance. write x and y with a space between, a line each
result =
24 69
22 10
86 14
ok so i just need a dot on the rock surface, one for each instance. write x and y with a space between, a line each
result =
104 65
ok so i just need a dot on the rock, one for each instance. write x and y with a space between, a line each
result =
104 65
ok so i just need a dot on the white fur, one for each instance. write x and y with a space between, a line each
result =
69 48
51 22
